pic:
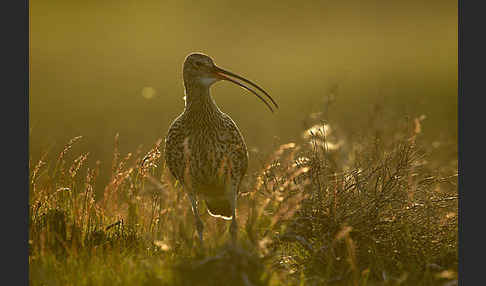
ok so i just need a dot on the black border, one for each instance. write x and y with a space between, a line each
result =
471 80
14 93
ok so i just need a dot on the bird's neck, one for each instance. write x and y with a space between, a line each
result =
198 100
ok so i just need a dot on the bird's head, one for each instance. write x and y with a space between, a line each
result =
201 69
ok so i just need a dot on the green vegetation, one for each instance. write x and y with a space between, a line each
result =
373 211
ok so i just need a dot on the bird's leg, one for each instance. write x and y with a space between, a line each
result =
232 192
199 224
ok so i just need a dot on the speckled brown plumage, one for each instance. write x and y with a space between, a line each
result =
204 149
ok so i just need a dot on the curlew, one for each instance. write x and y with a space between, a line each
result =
204 149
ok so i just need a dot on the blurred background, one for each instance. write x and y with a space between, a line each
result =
98 68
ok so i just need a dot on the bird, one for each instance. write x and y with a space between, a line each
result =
204 148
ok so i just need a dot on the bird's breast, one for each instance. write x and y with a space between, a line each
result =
206 153
211 150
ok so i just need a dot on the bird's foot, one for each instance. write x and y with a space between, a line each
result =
199 228
234 233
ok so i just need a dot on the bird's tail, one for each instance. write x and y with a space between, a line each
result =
219 207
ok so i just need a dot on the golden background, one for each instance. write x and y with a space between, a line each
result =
98 68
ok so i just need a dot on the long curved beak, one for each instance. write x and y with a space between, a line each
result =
225 75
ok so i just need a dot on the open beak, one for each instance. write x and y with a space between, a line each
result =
224 75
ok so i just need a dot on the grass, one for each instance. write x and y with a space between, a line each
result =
325 211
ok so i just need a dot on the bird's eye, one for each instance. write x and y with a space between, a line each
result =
198 64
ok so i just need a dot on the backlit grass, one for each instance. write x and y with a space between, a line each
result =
322 210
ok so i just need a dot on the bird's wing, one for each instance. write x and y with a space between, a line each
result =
239 151
174 150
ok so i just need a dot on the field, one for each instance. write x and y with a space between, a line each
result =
312 214
353 181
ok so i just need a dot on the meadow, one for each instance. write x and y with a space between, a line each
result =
376 213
